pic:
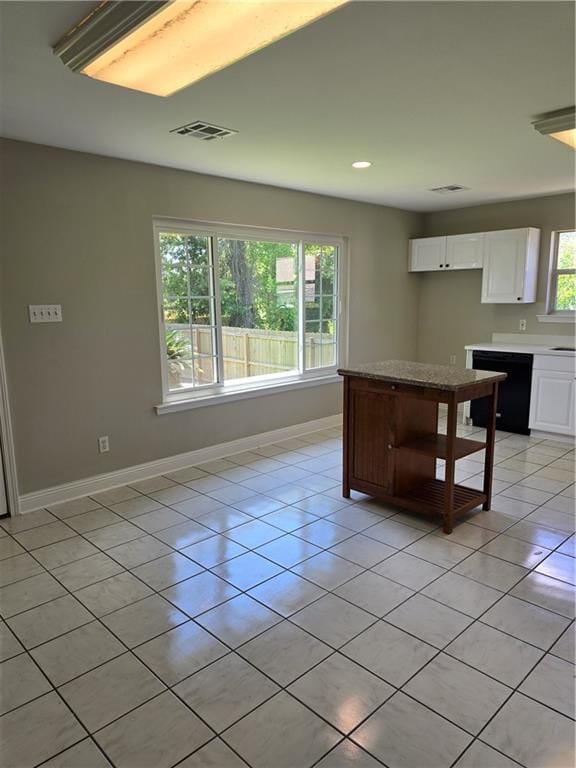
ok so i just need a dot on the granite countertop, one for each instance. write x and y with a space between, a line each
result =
422 374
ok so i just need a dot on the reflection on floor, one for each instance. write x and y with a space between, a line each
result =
242 612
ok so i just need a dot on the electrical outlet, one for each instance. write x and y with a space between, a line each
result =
522 325
103 444
45 313
452 359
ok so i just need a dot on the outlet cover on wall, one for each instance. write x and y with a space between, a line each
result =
452 359
522 325
103 444
45 313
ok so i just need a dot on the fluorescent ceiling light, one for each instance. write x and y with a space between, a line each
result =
560 125
361 164
566 137
162 47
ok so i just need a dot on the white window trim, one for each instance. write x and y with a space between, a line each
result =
558 317
552 314
179 403
261 385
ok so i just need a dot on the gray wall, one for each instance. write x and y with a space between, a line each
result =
450 314
78 231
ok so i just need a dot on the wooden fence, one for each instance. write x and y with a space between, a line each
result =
253 352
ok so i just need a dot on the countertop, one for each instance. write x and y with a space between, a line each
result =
422 374
527 349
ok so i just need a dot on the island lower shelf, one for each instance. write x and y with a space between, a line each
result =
436 446
430 498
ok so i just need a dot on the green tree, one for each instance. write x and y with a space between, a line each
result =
258 283
566 283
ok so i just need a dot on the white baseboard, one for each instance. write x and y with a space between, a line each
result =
75 490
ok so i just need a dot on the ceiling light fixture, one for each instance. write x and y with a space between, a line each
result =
161 47
559 125
361 164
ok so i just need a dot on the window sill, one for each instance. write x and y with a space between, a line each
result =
199 401
571 318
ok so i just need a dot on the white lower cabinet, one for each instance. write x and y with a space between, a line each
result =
552 397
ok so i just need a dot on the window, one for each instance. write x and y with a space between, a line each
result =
244 309
562 290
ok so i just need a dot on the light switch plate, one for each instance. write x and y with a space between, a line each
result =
45 313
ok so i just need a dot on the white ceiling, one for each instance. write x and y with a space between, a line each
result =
432 93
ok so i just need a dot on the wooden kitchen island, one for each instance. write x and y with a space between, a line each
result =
391 438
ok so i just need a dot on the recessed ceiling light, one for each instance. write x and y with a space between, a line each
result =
559 125
163 46
361 164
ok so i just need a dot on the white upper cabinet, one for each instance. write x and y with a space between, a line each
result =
427 254
431 254
510 266
508 259
465 251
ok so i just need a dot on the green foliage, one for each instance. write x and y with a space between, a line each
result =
250 293
177 347
566 292
567 250
566 285
258 283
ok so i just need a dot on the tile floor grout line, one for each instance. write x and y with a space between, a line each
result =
218 739
316 713
86 738
293 566
328 591
363 571
331 591
338 650
443 650
128 650
478 619
513 690
232 650
131 651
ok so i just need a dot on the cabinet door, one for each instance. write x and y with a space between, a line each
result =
427 254
370 419
465 251
552 402
504 267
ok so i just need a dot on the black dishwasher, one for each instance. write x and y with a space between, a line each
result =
513 392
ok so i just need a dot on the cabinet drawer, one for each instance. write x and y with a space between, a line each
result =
565 363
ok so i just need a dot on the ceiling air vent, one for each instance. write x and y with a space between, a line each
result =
449 189
204 131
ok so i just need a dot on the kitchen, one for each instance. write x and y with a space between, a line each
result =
253 519
499 286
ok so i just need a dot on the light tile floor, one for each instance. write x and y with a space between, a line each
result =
244 613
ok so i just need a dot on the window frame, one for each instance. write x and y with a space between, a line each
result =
564 315
208 394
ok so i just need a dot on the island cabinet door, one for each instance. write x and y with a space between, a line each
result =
369 436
